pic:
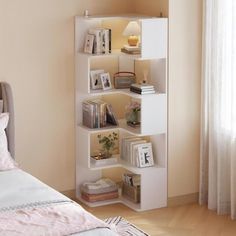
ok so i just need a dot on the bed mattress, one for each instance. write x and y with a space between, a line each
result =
19 190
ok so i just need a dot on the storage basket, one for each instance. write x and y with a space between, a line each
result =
131 192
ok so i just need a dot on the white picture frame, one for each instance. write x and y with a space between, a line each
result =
95 80
145 155
106 81
88 44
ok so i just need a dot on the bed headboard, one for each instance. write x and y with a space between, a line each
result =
8 106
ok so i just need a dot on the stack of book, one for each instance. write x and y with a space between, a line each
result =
98 41
137 152
131 49
97 114
142 88
103 189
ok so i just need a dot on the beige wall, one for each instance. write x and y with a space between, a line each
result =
184 95
184 90
36 58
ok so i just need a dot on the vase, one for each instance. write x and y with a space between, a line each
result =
133 117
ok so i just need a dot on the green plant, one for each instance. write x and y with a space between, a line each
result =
108 142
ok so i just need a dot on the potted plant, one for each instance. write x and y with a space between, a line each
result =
108 143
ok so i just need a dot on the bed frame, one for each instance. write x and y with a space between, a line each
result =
8 106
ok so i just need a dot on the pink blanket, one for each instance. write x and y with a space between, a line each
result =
55 220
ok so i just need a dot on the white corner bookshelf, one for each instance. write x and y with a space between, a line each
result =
153 117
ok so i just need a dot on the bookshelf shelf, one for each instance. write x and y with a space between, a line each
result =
121 199
153 115
121 91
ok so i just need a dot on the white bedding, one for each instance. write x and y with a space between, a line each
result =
17 188
24 199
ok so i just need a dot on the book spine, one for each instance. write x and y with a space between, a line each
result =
97 40
109 40
142 92
88 114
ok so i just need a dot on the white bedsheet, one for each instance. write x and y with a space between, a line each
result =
19 190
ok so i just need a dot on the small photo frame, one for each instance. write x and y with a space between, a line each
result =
106 81
145 155
95 80
88 44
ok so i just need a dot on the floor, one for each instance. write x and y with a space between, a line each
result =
187 220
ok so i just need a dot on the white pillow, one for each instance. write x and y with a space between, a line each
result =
6 161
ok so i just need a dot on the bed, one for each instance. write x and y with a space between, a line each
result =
30 207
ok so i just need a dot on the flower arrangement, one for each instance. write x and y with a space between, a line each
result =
108 143
133 113
133 106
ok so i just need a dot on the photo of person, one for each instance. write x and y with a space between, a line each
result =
106 81
95 79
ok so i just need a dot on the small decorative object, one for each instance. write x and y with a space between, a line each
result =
145 155
133 114
88 44
95 79
108 144
145 77
124 79
86 13
106 81
133 31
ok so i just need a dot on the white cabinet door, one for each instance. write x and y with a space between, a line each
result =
154 38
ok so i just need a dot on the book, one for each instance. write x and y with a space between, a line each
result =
88 114
97 44
110 115
145 155
102 40
88 44
131 48
142 92
99 197
107 40
130 52
100 114
142 86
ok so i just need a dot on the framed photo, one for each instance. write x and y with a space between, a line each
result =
145 155
106 81
95 80
88 44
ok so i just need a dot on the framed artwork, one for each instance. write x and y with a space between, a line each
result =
145 155
88 44
95 80
106 81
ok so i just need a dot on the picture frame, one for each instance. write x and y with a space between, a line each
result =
145 155
88 44
106 81
95 80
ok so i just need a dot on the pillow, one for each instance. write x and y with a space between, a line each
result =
6 161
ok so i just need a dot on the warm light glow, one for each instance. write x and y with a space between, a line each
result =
132 30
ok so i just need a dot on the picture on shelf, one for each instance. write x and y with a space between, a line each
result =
145 155
88 45
106 81
95 79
